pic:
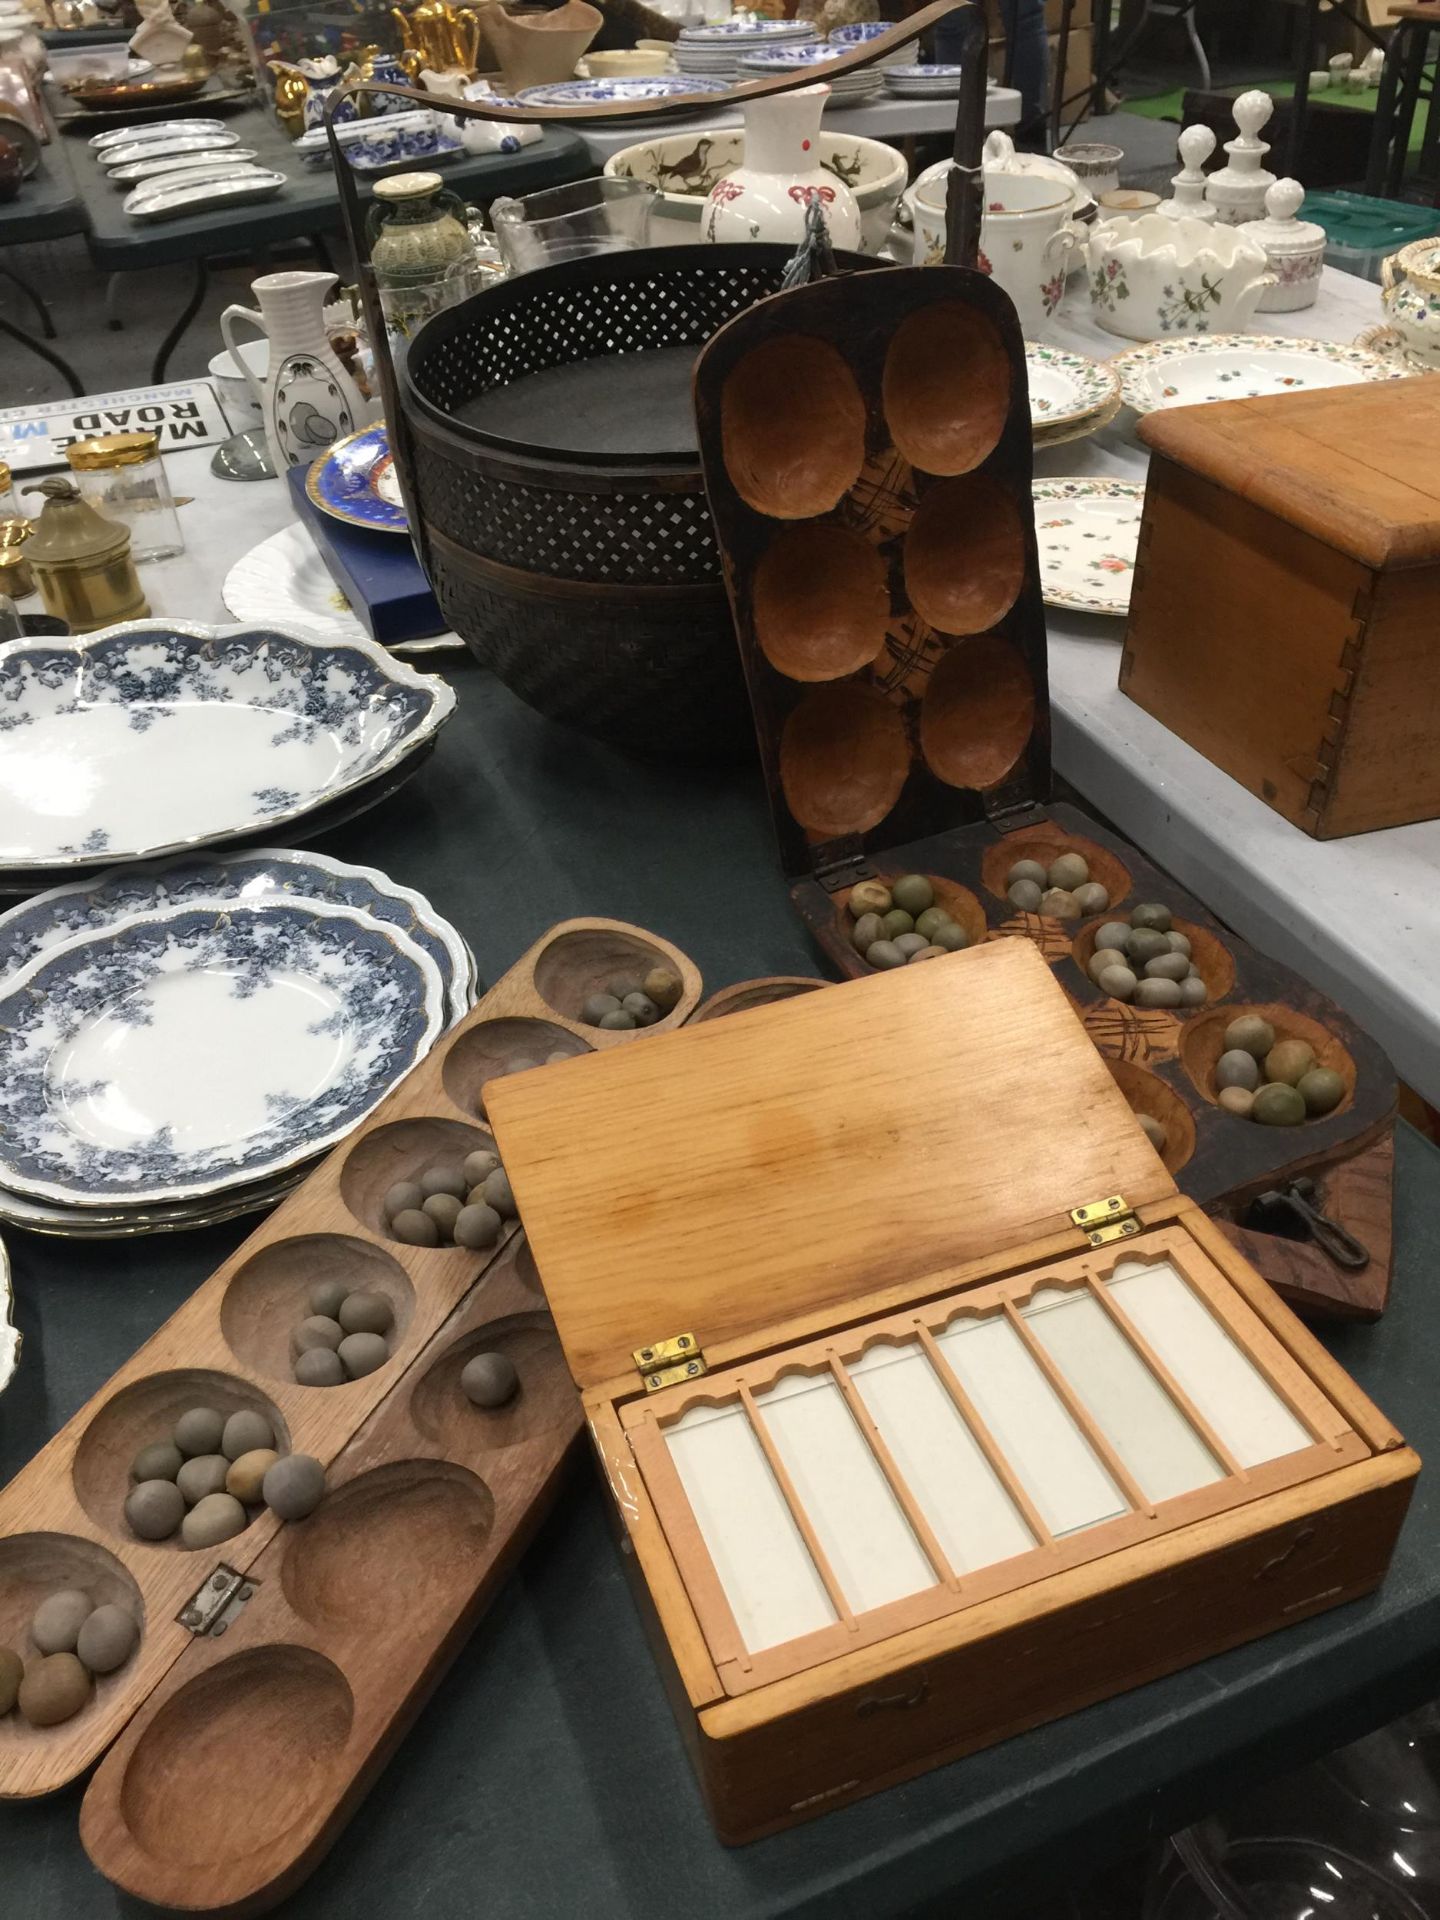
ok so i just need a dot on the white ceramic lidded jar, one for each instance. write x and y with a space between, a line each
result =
1026 237
1295 249
766 197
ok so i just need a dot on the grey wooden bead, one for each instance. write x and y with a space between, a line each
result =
1158 993
294 1486
489 1379
154 1509
219 1516
57 1622
1167 966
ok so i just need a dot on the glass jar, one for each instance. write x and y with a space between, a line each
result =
123 477
9 505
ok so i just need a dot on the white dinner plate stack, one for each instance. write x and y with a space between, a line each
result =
179 1042
916 82
765 62
719 49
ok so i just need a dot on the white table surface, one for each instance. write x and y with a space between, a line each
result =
1360 917
882 117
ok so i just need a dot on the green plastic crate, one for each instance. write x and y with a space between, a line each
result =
1359 231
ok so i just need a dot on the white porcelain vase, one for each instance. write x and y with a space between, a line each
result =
308 400
767 196
1155 276
1026 237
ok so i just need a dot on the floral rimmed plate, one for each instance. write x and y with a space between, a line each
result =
1194 368
1066 387
355 481
258 875
204 1047
9 1332
1087 532
157 736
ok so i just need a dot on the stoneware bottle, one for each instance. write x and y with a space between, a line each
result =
308 400
766 196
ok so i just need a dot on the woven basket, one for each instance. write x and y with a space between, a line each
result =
588 582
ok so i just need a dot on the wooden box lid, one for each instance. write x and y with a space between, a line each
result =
1357 467
809 1153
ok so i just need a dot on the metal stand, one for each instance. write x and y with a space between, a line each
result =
42 312
1402 87
62 367
187 314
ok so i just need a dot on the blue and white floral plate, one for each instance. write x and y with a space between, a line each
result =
355 481
158 736
203 1047
610 93
254 877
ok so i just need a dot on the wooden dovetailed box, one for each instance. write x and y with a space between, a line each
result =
1285 618
909 1458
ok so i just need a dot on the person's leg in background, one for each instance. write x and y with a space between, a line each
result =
1024 22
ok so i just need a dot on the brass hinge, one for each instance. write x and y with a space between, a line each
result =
840 863
1103 1221
668 1362
216 1602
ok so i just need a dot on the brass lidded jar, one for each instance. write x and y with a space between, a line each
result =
82 561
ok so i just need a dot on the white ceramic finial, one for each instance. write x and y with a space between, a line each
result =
1187 201
1282 201
1250 112
1196 144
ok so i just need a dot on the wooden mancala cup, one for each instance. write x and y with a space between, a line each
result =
279 1670
931 1408
867 453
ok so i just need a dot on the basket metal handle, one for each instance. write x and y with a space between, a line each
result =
963 195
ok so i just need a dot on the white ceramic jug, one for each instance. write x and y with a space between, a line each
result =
766 196
308 400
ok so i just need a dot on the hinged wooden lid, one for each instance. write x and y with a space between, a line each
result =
1357 467
806 1154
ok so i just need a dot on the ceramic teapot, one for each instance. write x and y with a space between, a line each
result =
308 400
1410 295
1155 276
